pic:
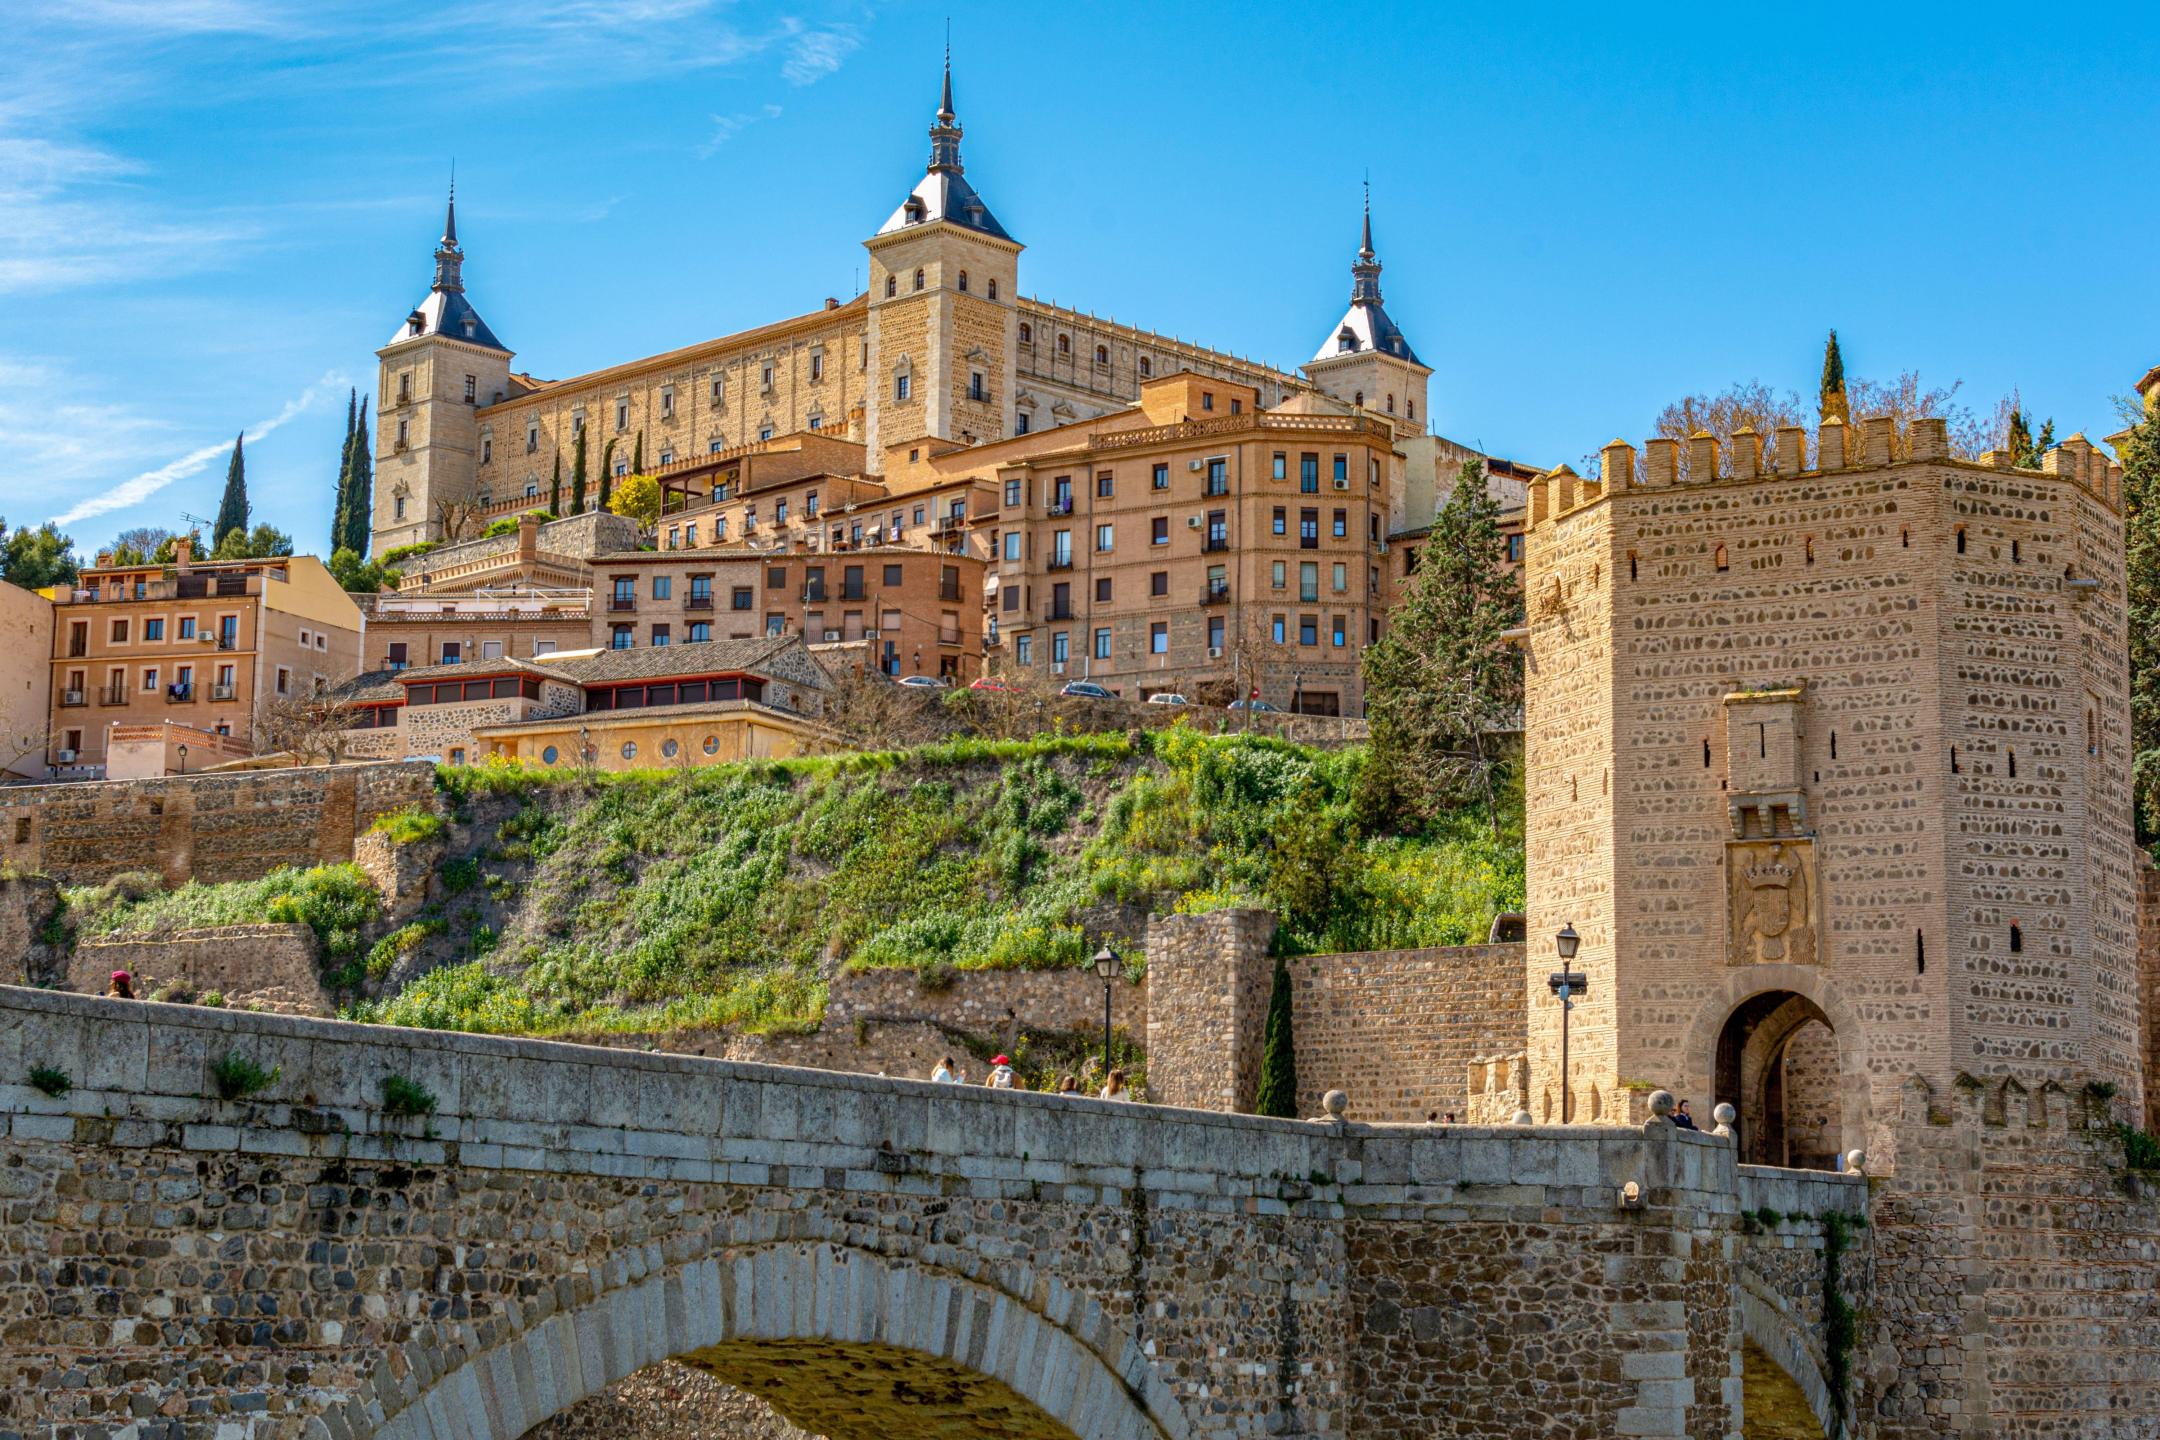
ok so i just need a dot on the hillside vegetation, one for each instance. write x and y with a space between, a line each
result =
717 896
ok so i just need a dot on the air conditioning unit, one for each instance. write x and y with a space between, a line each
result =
67 757
1194 465
831 636
1214 652
1192 522
1057 667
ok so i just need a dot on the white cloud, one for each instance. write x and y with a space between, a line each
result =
138 488
727 127
816 53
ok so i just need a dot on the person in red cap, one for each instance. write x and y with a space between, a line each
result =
122 986
1001 1074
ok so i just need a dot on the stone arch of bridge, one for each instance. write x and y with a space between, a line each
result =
1770 1003
1784 1396
842 1342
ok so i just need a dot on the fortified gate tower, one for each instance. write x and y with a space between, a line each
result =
1828 765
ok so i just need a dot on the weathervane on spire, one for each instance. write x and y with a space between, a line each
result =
945 135
1365 274
449 260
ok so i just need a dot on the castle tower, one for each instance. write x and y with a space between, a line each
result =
442 364
943 322
1366 360
1828 765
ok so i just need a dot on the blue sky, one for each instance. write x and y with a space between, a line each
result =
213 211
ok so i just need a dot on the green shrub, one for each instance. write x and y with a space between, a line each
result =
461 875
409 826
2141 1151
211 999
336 901
397 553
47 1080
406 1098
399 943
238 1077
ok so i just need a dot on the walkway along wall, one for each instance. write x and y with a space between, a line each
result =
918 1255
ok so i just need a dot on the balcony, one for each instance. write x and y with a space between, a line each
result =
228 641
622 602
1060 562
813 595
854 592
1214 544
1216 487
179 694
392 665
698 602
73 697
947 524
1059 507
949 591
1058 612
223 692
1217 593
113 695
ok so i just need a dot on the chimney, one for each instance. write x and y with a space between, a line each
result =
528 537
104 559
183 554
832 302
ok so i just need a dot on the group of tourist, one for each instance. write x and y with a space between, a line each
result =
1001 1077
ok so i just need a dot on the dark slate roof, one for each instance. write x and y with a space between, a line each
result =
464 669
370 687
449 313
1370 329
780 657
946 195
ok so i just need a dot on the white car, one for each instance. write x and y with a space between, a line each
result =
1165 697
923 682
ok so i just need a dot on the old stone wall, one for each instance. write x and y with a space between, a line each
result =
989 1003
937 1260
272 967
209 828
674 1401
1208 983
1790 1220
1397 1029
2149 985
28 904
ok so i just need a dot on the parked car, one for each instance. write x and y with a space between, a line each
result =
1166 697
1086 690
925 682
991 682
1257 707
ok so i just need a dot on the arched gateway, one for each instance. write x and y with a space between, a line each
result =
840 1341
1781 1045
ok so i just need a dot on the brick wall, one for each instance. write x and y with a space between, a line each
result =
259 967
202 827
1397 1029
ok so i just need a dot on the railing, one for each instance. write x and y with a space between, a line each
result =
73 697
853 592
179 694
813 593
113 695
222 692
228 642
698 602
622 602
948 592
1060 562
1214 544
1215 487
1214 594
1058 612
393 665
947 523
1059 507
1234 424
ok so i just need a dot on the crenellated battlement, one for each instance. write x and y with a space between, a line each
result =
2063 1107
1874 443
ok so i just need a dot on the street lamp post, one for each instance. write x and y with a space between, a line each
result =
1106 966
183 757
1566 982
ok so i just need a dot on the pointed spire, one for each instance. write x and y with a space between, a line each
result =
449 260
945 135
449 234
1365 274
945 110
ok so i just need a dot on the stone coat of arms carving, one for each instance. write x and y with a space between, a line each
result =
1770 885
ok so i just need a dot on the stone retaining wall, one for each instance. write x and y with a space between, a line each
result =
263 967
209 828
569 1216
990 1003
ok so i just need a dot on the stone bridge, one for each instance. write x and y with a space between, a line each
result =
875 1258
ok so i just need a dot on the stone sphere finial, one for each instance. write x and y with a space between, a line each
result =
1522 1117
1336 1103
1724 1114
1661 1104
1855 1161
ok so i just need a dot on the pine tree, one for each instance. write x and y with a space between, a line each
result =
1443 682
1278 1055
2018 439
360 492
1833 382
2140 451
555 488
233 508
577 474
340 508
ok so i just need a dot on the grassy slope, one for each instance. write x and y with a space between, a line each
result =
711 896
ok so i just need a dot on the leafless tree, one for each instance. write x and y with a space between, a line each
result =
310 728
869 711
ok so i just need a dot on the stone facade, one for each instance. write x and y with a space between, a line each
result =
1855 734
1011 1264
1208 982
987 1002
210 828
272 967
26 627
2149 986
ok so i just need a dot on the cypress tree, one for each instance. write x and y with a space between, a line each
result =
607 471
2018 439
577 474
637 456
340 507
360 491
233 507
2140 452
555 488
1833 382
1278 1057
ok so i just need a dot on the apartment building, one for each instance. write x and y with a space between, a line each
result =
1223 551
514 622
920 612
674 597
206 644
